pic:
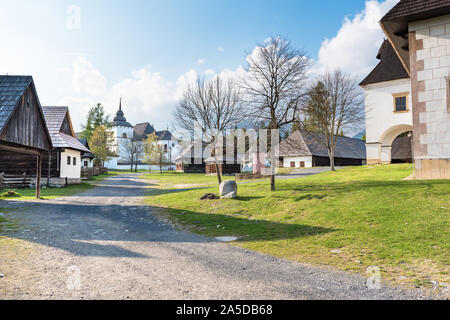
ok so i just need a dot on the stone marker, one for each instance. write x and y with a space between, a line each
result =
228 189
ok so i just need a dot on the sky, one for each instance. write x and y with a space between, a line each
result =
81 52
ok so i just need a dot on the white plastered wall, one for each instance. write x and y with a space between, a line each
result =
70 171
383 125
306 159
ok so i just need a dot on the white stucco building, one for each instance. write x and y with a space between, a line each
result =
414 70
388 105
124 132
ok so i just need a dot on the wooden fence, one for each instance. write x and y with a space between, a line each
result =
88 173
16 181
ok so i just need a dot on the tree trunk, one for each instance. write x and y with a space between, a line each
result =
272 182
332 161
219 177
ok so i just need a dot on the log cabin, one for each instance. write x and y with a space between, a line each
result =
24 137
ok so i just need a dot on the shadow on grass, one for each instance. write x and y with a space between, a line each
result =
312 197
249 230
353 186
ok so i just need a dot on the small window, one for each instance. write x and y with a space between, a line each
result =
68 161
401 102
165 148
124 135
292 164
74 161
85 164
302 164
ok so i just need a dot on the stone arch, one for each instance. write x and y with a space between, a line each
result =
393 132
388 138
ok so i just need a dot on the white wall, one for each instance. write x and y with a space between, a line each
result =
379 105
307 160
435 57
70 171
89 161
118 134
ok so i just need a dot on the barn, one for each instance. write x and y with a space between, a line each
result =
303 149
24 138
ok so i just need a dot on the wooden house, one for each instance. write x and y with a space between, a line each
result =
24 137
303 149
64 163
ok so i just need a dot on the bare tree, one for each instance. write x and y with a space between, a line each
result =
275 86
133 151
212 106
335 103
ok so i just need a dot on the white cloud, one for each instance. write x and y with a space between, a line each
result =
86 78
201 61
356 44
220 49
147 95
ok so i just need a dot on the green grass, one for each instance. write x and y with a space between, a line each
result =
48 193
369 214
170 178
52 193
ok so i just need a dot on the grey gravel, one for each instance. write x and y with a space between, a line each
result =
123 251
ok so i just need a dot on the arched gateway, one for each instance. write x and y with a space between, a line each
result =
411 86
388 105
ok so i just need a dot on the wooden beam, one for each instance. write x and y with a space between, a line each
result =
20 149
38 176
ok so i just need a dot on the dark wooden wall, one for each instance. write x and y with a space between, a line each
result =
339 162
17 164
26 126
65 127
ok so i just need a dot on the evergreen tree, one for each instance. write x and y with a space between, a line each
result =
95 118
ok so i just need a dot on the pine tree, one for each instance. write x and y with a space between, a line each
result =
95 118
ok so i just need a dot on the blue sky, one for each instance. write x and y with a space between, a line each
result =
145 51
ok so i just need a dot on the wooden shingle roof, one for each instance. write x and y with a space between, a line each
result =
11 90
304 143
54 117
142 130
417 9
389 68
395 23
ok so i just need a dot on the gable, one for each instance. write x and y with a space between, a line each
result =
66 127
26 125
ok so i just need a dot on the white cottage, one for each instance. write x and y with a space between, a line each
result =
65 161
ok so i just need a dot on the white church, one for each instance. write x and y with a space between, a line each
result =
123 132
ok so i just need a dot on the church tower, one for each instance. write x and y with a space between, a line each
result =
122 130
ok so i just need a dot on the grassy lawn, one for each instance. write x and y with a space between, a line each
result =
350 219
171 179
47 193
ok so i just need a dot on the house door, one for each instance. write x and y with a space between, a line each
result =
292 164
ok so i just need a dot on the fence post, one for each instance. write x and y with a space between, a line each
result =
1 180
24 177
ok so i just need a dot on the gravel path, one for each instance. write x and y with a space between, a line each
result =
120 250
